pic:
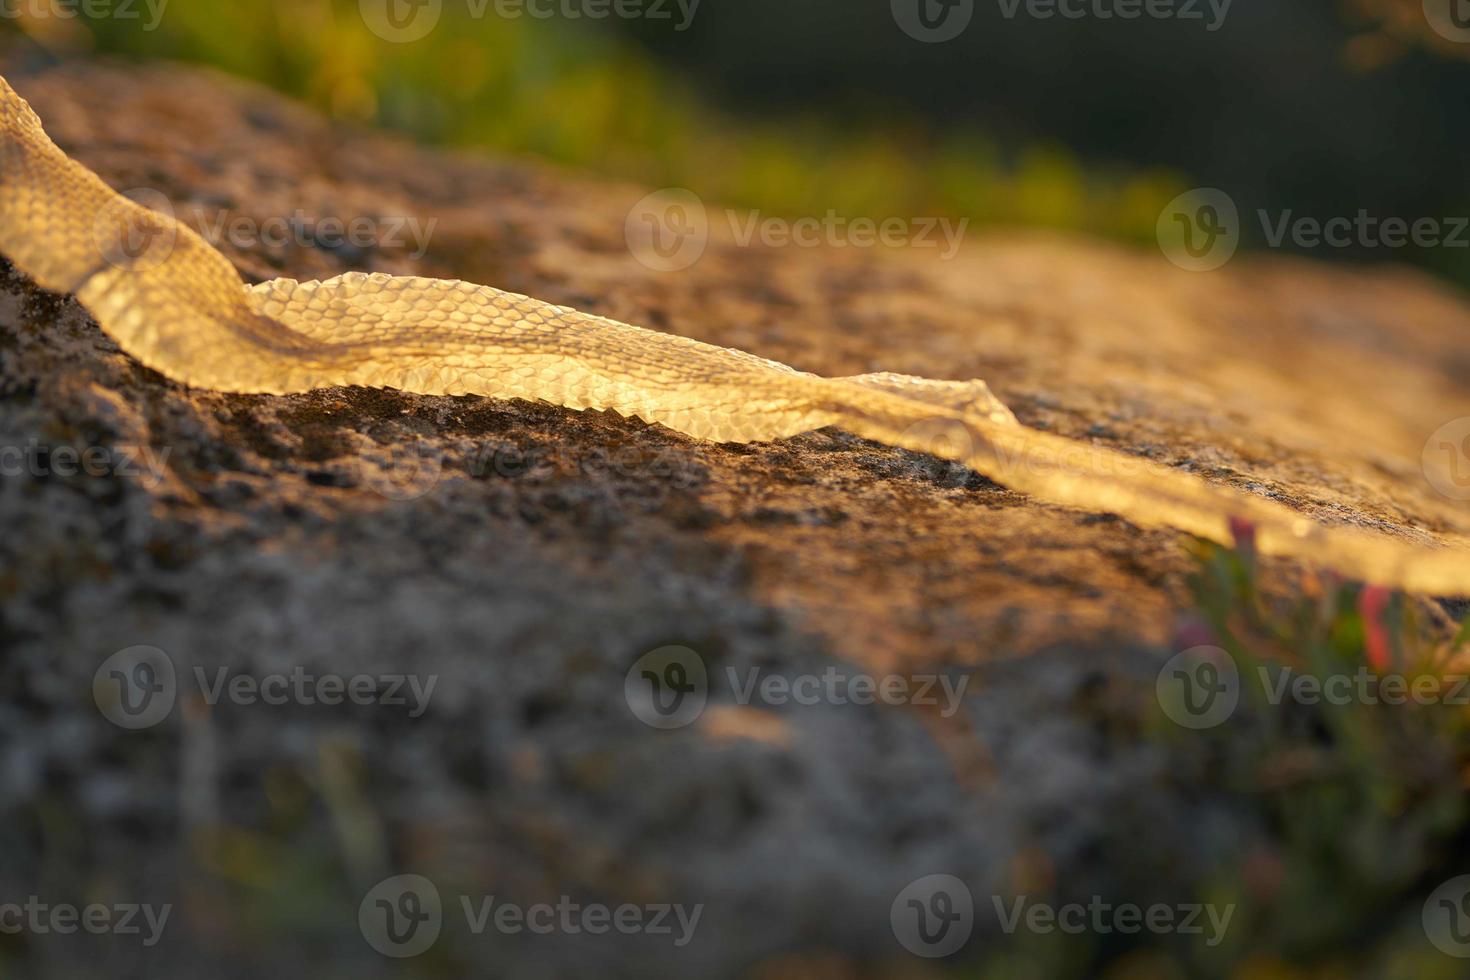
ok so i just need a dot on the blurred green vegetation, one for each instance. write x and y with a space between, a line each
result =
1358 804
586 98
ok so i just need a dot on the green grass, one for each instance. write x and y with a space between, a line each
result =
1364 799
590 100
1352 812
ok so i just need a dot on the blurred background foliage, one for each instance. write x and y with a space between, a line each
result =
1320 107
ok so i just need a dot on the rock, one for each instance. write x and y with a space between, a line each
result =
522 558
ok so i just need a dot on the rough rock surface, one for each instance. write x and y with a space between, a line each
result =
526 557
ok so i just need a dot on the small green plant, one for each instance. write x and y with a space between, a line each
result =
1351 747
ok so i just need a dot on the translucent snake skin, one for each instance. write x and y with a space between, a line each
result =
177 305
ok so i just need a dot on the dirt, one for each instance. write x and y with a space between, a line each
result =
526 557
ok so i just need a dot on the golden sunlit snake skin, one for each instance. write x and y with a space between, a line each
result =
177 305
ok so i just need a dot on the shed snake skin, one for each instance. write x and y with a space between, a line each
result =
178 306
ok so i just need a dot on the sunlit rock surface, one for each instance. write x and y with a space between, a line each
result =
527 556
